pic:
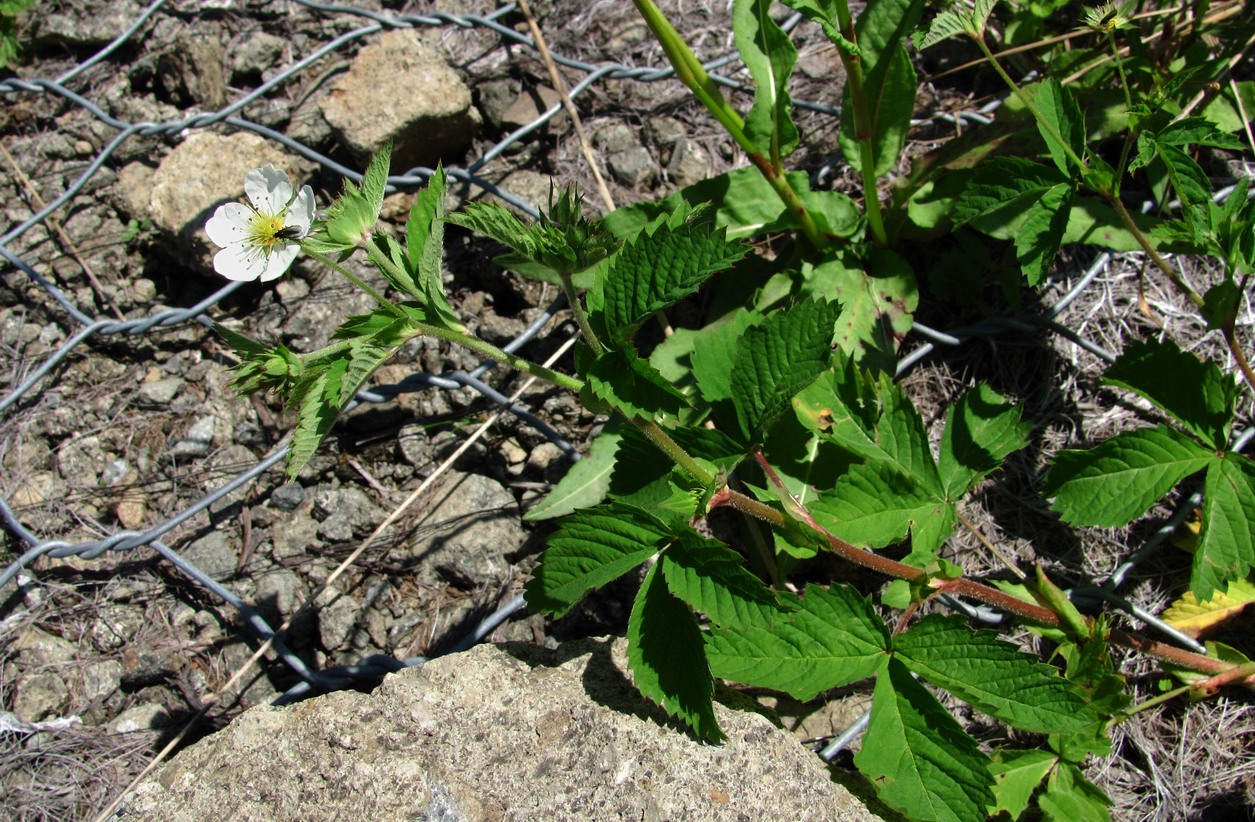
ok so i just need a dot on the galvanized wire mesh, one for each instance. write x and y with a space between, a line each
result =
89 329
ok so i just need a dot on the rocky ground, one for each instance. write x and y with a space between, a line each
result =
130 429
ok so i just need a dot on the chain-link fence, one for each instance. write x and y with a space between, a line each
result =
90 330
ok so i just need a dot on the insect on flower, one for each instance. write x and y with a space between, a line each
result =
259 241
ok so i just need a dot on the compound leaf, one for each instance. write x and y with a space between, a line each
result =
991 675
1226 543
590 549
712 578
918 757
666 657
1119 479
833 638
1198 394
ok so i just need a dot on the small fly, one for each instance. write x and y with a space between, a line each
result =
290 232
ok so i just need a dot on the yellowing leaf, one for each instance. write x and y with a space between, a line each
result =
1196 618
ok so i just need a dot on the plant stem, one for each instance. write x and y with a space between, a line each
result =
690 72
674 450
581 316
863 128
353 278
1231 339
1154 255
493 352
1042 123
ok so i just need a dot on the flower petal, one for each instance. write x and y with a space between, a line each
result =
230 224
301 212
281 256
268 189
240 262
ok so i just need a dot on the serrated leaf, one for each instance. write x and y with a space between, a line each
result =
1197 618
1119 479
769 55
655 270
918 758
982 429
1192 187
991 675
1016 775
643 478
1003 186
315 398
665 655
633 386
1059 109
1041 234
833 638
945 25
713 359
500 223
351 218
712 579
1069 797
1198 394
590 549
824 14
777 359
424 238
875 504
1197 131
1226 543
585 484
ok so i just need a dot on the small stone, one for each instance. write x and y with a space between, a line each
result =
542 457
614 138
198 440
336 622
689 164
39 695
115 471
279 592
413 445
132 512
147 717
213 554
37 648
162 390
97 680
81 460
634 168
143 291
287 496
336 528
529 106
149 666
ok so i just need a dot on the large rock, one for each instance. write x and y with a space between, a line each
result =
401 89
496 733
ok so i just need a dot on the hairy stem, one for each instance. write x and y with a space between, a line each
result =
493 352
581 316
1151 252
674 450
692 74
357 281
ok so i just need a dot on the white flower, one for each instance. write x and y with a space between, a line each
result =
260 241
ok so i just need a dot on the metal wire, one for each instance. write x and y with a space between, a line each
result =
89 328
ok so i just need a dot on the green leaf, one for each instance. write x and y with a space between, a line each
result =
590 549
1197 131
824 14
1119 479
1061 113
834 638
769 55
982 429
777 359
877 304
991 675
585 485
1226 542
891 100
918 758
1016 775
1003 187
501 224
633 386
643 478
712 578
351 218
1069 797
1198 394
888 82
1039 238
945 25
424 238
315 398
713 359
665 655
1192 187
655 270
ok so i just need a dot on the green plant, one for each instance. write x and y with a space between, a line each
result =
10 48
785 411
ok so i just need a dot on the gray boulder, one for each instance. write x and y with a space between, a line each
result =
507 732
